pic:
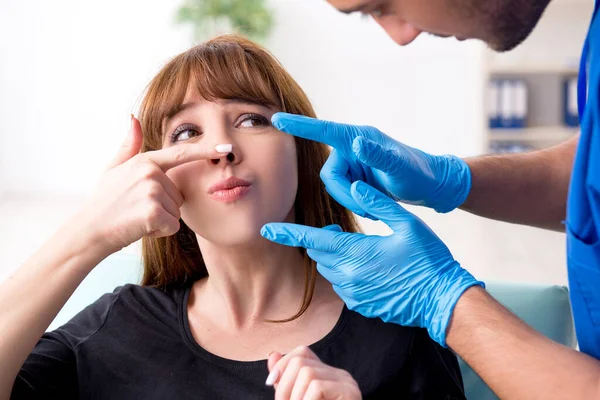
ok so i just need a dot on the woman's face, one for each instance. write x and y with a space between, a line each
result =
227 201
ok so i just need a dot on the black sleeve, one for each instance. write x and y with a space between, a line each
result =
432 371
50 371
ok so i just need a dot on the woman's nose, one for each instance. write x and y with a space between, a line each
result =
231 158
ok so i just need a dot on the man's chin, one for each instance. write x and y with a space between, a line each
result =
501 47
510 28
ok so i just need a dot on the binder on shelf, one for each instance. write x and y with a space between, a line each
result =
571 114
520 96
507 103
494 104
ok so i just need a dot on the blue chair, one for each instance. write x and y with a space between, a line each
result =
116 270
546 308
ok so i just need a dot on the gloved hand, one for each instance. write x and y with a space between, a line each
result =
364 153
408 278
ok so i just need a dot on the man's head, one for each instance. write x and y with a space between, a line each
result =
502 24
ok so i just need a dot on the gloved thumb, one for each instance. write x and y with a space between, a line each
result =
379 205
334 228
326 261
376 156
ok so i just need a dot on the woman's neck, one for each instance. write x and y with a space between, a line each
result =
250 284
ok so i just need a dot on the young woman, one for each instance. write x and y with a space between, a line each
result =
221 313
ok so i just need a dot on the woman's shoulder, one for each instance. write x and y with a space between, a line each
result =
364 327
374 332
386 357
146 294
128 305
367 336
135 301
136 296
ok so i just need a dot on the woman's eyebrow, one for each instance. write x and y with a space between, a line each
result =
241 102
356 8
177 110
185 106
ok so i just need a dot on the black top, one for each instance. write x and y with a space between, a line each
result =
136 343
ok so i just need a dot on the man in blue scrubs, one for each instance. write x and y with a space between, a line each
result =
410 277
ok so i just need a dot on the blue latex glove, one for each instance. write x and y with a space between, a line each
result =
408 278
364 153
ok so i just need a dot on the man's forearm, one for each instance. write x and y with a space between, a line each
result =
515 360
529 188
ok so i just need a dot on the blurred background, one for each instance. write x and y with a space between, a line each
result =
72 71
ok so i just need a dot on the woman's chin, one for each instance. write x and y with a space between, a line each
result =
236 229
239 237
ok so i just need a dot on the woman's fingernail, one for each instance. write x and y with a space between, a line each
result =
131 121
224 148
272 377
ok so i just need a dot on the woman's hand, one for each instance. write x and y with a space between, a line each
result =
300 375
135 197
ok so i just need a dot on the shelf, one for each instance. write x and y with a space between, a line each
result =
573 2
521 69
537 134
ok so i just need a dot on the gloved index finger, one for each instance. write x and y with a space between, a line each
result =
339 136
300 236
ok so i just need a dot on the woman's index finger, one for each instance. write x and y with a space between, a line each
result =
172 157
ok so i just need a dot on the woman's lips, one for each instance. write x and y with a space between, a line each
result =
230 195
229 190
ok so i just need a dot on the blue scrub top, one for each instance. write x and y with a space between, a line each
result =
583 209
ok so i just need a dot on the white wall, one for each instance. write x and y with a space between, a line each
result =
72 71
354 73
427 95
548 45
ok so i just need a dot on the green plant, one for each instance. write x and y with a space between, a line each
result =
251 18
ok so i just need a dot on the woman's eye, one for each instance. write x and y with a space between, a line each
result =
253 121
378 13
184 133
381 11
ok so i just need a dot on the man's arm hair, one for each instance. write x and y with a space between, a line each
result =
528 188
512 358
